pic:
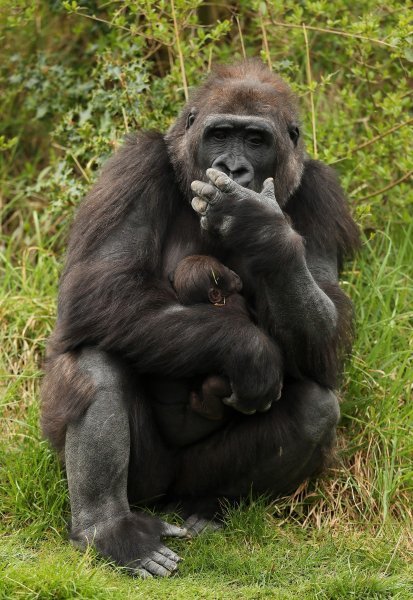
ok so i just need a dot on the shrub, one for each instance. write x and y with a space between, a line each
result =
77 76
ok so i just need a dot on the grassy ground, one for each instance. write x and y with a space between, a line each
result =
347 536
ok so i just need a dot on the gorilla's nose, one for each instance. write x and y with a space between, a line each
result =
236 167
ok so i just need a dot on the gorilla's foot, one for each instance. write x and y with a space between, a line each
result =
200 514
196 524
133 541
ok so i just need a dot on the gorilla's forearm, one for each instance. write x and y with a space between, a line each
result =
301 305
297 301
313 316
312 322
141 320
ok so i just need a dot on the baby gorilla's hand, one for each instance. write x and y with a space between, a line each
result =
208 402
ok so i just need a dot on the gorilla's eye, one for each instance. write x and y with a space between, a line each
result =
190 119
255 140
294 133
215 295
219 134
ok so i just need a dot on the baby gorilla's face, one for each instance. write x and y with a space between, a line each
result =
204 279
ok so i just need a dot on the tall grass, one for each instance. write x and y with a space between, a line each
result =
346 535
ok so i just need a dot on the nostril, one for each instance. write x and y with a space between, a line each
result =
236 167
220 165
242 176
223 168
241 172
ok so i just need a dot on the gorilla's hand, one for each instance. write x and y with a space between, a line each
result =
232 211
133 541
255 370
223 189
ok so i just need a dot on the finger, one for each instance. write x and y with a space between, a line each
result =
172 530
268 187
268 192
162 560
246 411
232 401
215 526
205 190
189 522
142 573
199 205
170 553
204 223
222 181
152 567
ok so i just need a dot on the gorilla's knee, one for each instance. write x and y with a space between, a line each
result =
322 413
105 370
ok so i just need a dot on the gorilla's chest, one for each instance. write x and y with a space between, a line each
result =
184 238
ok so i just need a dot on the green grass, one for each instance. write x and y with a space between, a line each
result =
346 536
282 562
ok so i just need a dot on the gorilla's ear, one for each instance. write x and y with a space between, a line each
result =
191 118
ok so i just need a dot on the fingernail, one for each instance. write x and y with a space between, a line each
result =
199 205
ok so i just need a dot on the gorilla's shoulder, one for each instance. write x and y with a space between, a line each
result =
144 139
317 176
319 209
139 168
133 185
142 149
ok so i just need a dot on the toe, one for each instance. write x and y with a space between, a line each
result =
172 530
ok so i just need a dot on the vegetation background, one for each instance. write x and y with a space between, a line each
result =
75 76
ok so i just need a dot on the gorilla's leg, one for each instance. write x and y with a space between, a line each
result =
305 443
269 452
97 458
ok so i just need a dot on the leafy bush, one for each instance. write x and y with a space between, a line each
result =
78 75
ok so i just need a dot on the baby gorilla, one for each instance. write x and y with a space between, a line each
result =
188 410
201 278
204 279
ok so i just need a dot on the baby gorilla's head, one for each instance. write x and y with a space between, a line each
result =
204 279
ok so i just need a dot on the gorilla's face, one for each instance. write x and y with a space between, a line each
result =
240 146
246 128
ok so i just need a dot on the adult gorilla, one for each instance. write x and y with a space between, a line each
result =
122 335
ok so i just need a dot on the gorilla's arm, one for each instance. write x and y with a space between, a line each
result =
292 259
112 295
317 341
